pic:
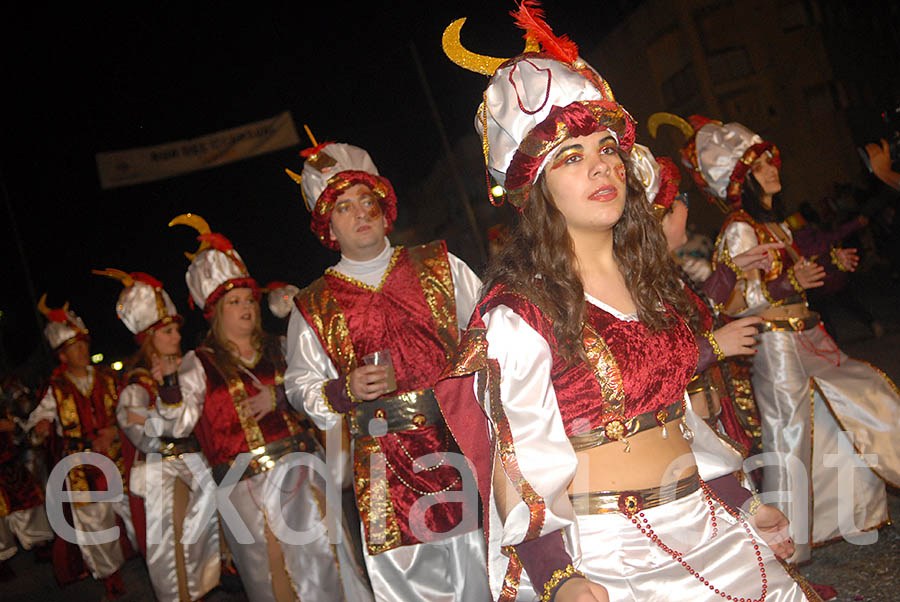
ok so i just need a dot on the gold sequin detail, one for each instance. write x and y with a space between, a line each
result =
433 268
378 517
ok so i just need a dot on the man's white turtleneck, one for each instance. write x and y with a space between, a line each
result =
370 271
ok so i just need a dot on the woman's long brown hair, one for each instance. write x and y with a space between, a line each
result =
539 261
225 353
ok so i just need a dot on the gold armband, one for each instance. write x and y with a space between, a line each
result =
715 345
559 575
728 261
793 280
350 394
754 505
837 261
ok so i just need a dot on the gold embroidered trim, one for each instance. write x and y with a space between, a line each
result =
350 394
505 448
559 575
510 589
793 280
708 335
837 261
320 308
729 262
393 261
433 268
372 515
606 369
252 432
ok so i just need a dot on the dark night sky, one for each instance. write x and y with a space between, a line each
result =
78 82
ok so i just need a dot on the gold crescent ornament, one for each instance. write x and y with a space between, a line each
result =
119 275
42 305
662 118
197 223
456 52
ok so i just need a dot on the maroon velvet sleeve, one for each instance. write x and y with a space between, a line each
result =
730 491
781 287
336 392
707 356
171 395
543 556
720 283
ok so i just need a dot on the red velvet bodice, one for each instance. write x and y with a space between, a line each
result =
220 430
642 371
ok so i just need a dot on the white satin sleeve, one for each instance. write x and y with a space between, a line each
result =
308 369
467 289
737 238
181 418
134 398
542 450
46 409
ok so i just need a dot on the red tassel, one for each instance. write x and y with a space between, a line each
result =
530 17
216 241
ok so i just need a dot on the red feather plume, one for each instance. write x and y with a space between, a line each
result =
530 17
306 153
146 279
57 315
216 241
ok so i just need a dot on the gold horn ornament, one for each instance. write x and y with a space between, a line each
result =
197 223
471 61
119 275
42 305
662 118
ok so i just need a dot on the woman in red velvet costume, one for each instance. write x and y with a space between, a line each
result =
230 394
578 357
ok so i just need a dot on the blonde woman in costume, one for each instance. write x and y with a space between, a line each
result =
230 394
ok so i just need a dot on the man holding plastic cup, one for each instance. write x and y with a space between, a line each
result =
408 304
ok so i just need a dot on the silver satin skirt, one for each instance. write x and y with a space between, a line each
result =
200 534
29 526
318 570
617 555
831 417
448 570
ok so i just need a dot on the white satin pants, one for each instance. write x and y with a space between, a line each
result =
102 559
318 570
449 570
200 529
617 555
29 526
832 420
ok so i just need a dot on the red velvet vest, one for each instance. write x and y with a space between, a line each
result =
631 370
781 257
225 430
81 417
18 488
413 314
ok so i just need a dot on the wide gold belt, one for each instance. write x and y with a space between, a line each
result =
176 447
808 321
629 502
265 456
616 430
404 412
